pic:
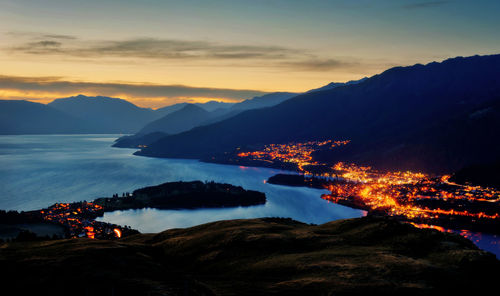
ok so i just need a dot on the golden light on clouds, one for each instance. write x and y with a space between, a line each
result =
254 46
155 72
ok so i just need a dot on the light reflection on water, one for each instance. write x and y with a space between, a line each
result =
37 171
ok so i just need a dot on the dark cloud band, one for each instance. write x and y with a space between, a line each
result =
171 50
58 85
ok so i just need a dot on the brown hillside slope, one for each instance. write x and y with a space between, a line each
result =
267 256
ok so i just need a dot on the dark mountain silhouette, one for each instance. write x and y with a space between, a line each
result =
264 101
178 121
111 114
387 116
221 111
268 100
183 116
23 117
460 138
218 111
486 174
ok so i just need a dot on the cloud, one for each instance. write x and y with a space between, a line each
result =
41 86
58 36
47 43
150 48
425 4
318 65
37 35
187 52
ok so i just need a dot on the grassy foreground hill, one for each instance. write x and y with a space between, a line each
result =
269 256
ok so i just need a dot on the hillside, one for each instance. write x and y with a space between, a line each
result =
487 175
268 256
380 115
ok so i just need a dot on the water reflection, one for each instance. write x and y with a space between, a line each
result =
39 170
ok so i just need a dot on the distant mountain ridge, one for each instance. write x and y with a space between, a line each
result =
84 114
176 121
385 117
113 114
179 121
101 114
23 117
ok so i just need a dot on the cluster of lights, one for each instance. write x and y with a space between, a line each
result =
406 193
78 218
296 153
414 196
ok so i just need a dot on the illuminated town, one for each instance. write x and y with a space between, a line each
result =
427 202
298 154
78 220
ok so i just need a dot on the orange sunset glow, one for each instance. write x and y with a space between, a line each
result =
205 48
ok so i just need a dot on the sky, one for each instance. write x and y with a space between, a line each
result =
158 52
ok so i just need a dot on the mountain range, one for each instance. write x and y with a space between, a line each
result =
99 114
437 117
84 114
188 116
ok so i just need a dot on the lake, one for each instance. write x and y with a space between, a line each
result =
39 170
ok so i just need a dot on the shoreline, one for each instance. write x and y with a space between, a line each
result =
78 219
455 223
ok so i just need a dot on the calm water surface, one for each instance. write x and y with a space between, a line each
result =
39 170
